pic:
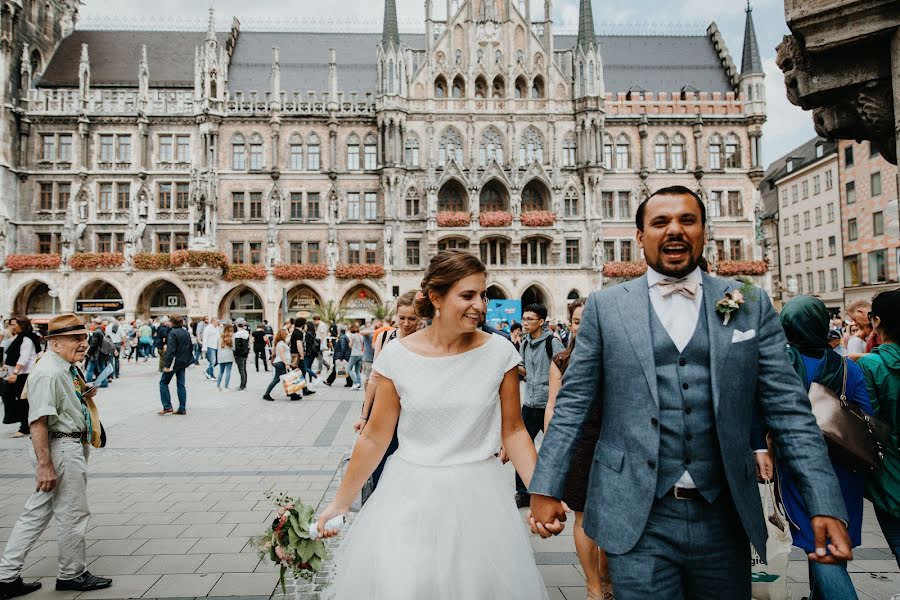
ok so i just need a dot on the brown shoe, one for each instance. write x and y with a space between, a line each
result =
165 411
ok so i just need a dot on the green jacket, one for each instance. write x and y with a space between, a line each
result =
881 369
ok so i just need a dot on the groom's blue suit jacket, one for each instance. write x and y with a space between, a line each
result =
613 364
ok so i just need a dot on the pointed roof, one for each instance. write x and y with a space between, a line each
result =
586 35
750 62
391 33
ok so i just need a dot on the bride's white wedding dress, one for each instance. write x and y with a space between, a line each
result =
442 524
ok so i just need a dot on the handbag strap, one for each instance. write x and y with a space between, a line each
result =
844 384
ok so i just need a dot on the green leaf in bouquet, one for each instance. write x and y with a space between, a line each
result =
304 513
307 550
298 528
321 549
281 580
272 556
293 538
315 563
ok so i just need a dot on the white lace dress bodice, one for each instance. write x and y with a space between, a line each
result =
450 405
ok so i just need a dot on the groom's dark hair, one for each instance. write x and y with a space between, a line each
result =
672 190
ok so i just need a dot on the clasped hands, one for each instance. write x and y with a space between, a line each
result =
547 516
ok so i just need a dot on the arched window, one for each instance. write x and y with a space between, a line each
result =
213 90
450 147
36 64
480 87
716 150
412 150
459 87
732 152
238 153
371 153
499 88
531 148
413 203
521 87
295 152
535 251
353 153
452 197
661 152
256 152
313 162
677 158
491 147
440 87
608 152
571 203
453 243
492 198
623 153
494 252
535 196
568 158
537 87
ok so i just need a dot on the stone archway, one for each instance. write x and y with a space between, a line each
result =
99 297
302 301
360 303
242 302
35 301
161 298
495 292
534 294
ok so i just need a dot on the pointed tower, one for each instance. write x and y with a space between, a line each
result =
589 90
391 33
144 78
752 90
213 62
391 58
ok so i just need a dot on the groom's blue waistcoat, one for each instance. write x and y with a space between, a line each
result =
687 421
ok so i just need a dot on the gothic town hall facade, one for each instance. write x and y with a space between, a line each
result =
230 173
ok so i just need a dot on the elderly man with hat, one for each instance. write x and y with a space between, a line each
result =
63 426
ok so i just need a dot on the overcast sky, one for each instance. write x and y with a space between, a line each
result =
787 127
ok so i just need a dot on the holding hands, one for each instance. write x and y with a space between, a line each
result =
547 516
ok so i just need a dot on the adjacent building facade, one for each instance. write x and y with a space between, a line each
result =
871 224
324 166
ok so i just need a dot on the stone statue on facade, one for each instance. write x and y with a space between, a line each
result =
275 206
331 254
143 204
130 247
597 257
388 246
273 255
200 226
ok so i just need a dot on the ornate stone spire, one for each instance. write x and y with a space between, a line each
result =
144 76
276 75
84 73
391 33
750 62
586 35
211 29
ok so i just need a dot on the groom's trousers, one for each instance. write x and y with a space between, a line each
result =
690 550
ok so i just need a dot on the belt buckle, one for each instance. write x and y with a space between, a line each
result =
677 497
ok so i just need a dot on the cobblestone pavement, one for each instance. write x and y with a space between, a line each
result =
176 500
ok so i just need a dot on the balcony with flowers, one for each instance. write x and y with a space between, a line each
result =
359 271
495 218
624 270
245 272
454 218
35 262
538 218
299 272
91 261
732 268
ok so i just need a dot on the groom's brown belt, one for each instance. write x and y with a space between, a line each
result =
681 493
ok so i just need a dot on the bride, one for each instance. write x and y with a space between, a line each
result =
442 523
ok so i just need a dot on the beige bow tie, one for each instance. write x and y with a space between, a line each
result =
688 289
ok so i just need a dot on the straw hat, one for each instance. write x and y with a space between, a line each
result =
66 324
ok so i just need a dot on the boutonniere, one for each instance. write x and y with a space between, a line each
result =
732 301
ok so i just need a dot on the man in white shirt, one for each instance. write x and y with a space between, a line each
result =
212 333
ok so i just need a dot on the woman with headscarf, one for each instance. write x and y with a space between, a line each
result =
805 321
19 359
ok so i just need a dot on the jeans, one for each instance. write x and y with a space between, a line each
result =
307 367
534 422
224 369
198 352
890 527
211 358
280 370
260 353
164 379
241 362
95 367
116 364
67 502
353 369
144 350
830 582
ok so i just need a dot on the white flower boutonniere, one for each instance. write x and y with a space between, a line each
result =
729 304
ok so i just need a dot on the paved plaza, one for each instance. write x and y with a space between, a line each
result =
175 500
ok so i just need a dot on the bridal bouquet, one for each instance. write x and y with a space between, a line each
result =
287 542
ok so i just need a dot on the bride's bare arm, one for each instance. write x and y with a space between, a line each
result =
368 452
516 441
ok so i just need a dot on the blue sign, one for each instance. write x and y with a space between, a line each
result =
503 310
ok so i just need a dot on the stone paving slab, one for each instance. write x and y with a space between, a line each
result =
176 501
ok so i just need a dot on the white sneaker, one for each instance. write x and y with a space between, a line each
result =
356 387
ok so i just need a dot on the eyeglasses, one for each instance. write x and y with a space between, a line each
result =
530 319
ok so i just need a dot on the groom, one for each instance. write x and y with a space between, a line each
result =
672 496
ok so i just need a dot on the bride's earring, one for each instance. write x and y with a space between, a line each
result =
437 313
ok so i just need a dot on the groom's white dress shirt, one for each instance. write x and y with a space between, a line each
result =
679 315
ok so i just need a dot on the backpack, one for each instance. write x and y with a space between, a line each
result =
106 346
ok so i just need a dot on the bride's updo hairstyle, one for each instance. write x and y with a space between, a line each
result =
444 270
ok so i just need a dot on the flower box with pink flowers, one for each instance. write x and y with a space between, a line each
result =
453 218
43 262
355 271
147 261
624 270
297 272
538 218
86 261
495 218
242 272
199 258
729 268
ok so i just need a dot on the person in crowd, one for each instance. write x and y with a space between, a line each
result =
19 359
672 497
341 356
160 337
407 324
592 558
310 351
212 333
260 347
145 341
834 341
858 313
321 330
297 334
538 348
115 334
225 356
356 356
241 350
515 335
59 432
281 360
198 334
270 333
178 357
805 322
368 357
881 370
96 358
